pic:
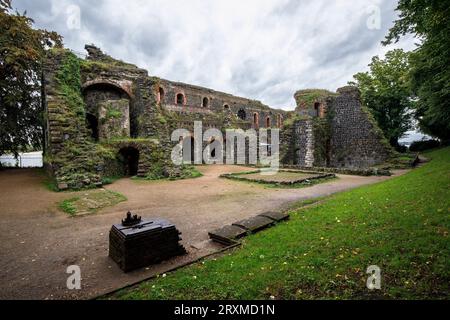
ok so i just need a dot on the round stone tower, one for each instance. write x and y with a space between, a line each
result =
312 102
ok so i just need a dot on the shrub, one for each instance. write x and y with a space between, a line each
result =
419 146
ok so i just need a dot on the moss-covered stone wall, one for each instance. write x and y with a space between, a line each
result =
72 157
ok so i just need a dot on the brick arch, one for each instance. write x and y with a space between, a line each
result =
119 86
256 120
177 94
268 121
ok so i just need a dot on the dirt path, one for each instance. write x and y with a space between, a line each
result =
38 243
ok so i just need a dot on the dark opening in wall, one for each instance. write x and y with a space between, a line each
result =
205 103
317 108
268 122
161 95
92 126
242 114
130 157
180 99
226 107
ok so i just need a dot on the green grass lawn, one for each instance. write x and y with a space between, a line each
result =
323 252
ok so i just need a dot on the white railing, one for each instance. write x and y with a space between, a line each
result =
25 160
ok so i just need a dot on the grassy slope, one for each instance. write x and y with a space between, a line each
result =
400 225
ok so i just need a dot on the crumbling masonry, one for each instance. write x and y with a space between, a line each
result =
107 118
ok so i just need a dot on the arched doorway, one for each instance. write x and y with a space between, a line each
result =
130 157
92 126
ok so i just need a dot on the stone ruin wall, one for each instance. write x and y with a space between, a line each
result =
335 130
127 108
194 98
304 144
356 139
120 106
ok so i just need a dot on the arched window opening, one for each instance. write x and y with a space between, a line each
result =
180 99
226 107
161 95
205 103
242 114
268 122
92 126
130 157
256 120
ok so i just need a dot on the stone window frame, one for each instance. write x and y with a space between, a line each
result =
226 107
184 99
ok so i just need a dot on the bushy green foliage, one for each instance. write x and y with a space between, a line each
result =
420 146
69 83
21 54
430 21
385 90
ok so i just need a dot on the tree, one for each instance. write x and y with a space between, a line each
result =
429 21
385 90
22 50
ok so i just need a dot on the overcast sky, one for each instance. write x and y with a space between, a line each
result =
260 49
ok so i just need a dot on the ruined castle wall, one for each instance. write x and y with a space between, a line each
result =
97 107
74 160
304 143
217 102
356 140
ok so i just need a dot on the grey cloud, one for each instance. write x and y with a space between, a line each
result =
264 50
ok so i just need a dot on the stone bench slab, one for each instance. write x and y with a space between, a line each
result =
228 234
275 216
254 224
